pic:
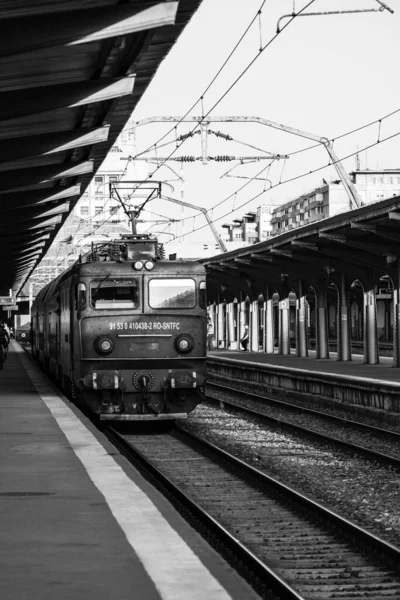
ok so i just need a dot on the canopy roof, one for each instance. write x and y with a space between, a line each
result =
72 73
362 244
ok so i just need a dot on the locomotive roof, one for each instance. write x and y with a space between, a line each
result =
99 268
162 266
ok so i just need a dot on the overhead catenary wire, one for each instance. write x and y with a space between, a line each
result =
211 82
203 117
341 136
288 181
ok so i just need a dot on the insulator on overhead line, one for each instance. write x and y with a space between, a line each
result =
186 158
184 136
222 158
222 135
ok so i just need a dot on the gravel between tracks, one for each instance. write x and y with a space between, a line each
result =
366 493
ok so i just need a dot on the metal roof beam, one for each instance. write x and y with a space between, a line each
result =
37 239
83 26
66 95
359 259
363 227
35 213
304 245
49 143
23 177
18 200
27 249
281 252
47 223
20 262
334 237
379 231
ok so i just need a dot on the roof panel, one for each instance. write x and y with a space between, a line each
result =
132 37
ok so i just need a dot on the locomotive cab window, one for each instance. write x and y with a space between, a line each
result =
172 293
114 293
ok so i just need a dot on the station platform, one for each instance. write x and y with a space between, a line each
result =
362 390
77 521
355 368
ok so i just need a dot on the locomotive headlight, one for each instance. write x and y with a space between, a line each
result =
103 345
149 265
138 265
184 343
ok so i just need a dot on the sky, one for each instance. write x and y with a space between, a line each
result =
325 75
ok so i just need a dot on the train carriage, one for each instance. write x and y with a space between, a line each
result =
124 331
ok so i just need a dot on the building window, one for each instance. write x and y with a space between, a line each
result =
84 211
98 182
98 210
113 210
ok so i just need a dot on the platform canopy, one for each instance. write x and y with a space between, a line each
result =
72 72
359 245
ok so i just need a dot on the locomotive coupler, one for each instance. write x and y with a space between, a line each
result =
143 383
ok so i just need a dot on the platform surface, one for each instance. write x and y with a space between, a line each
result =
355 368
77 522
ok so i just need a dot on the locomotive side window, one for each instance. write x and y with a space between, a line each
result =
80 296
172 293
202 294
114 293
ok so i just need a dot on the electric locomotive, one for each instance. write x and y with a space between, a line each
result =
123 331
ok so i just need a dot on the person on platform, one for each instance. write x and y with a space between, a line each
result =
210 333
4 339
245 338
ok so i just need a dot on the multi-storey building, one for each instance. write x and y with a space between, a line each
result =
252 228
331 198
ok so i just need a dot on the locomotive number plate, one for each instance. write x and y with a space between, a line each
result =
145 326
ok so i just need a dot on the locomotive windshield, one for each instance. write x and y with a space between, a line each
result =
172 293
115 293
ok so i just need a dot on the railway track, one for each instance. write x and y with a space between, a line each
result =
278 539
373 435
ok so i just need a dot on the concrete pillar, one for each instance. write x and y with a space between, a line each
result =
231 327
387 323
237 323
396 315
396 327
254 344
269 327
242 319
284 339
343 323
220 326
301 327
371 349
322 321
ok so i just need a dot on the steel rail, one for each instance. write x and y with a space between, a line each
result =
310 411
257 567
262 571
371 454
